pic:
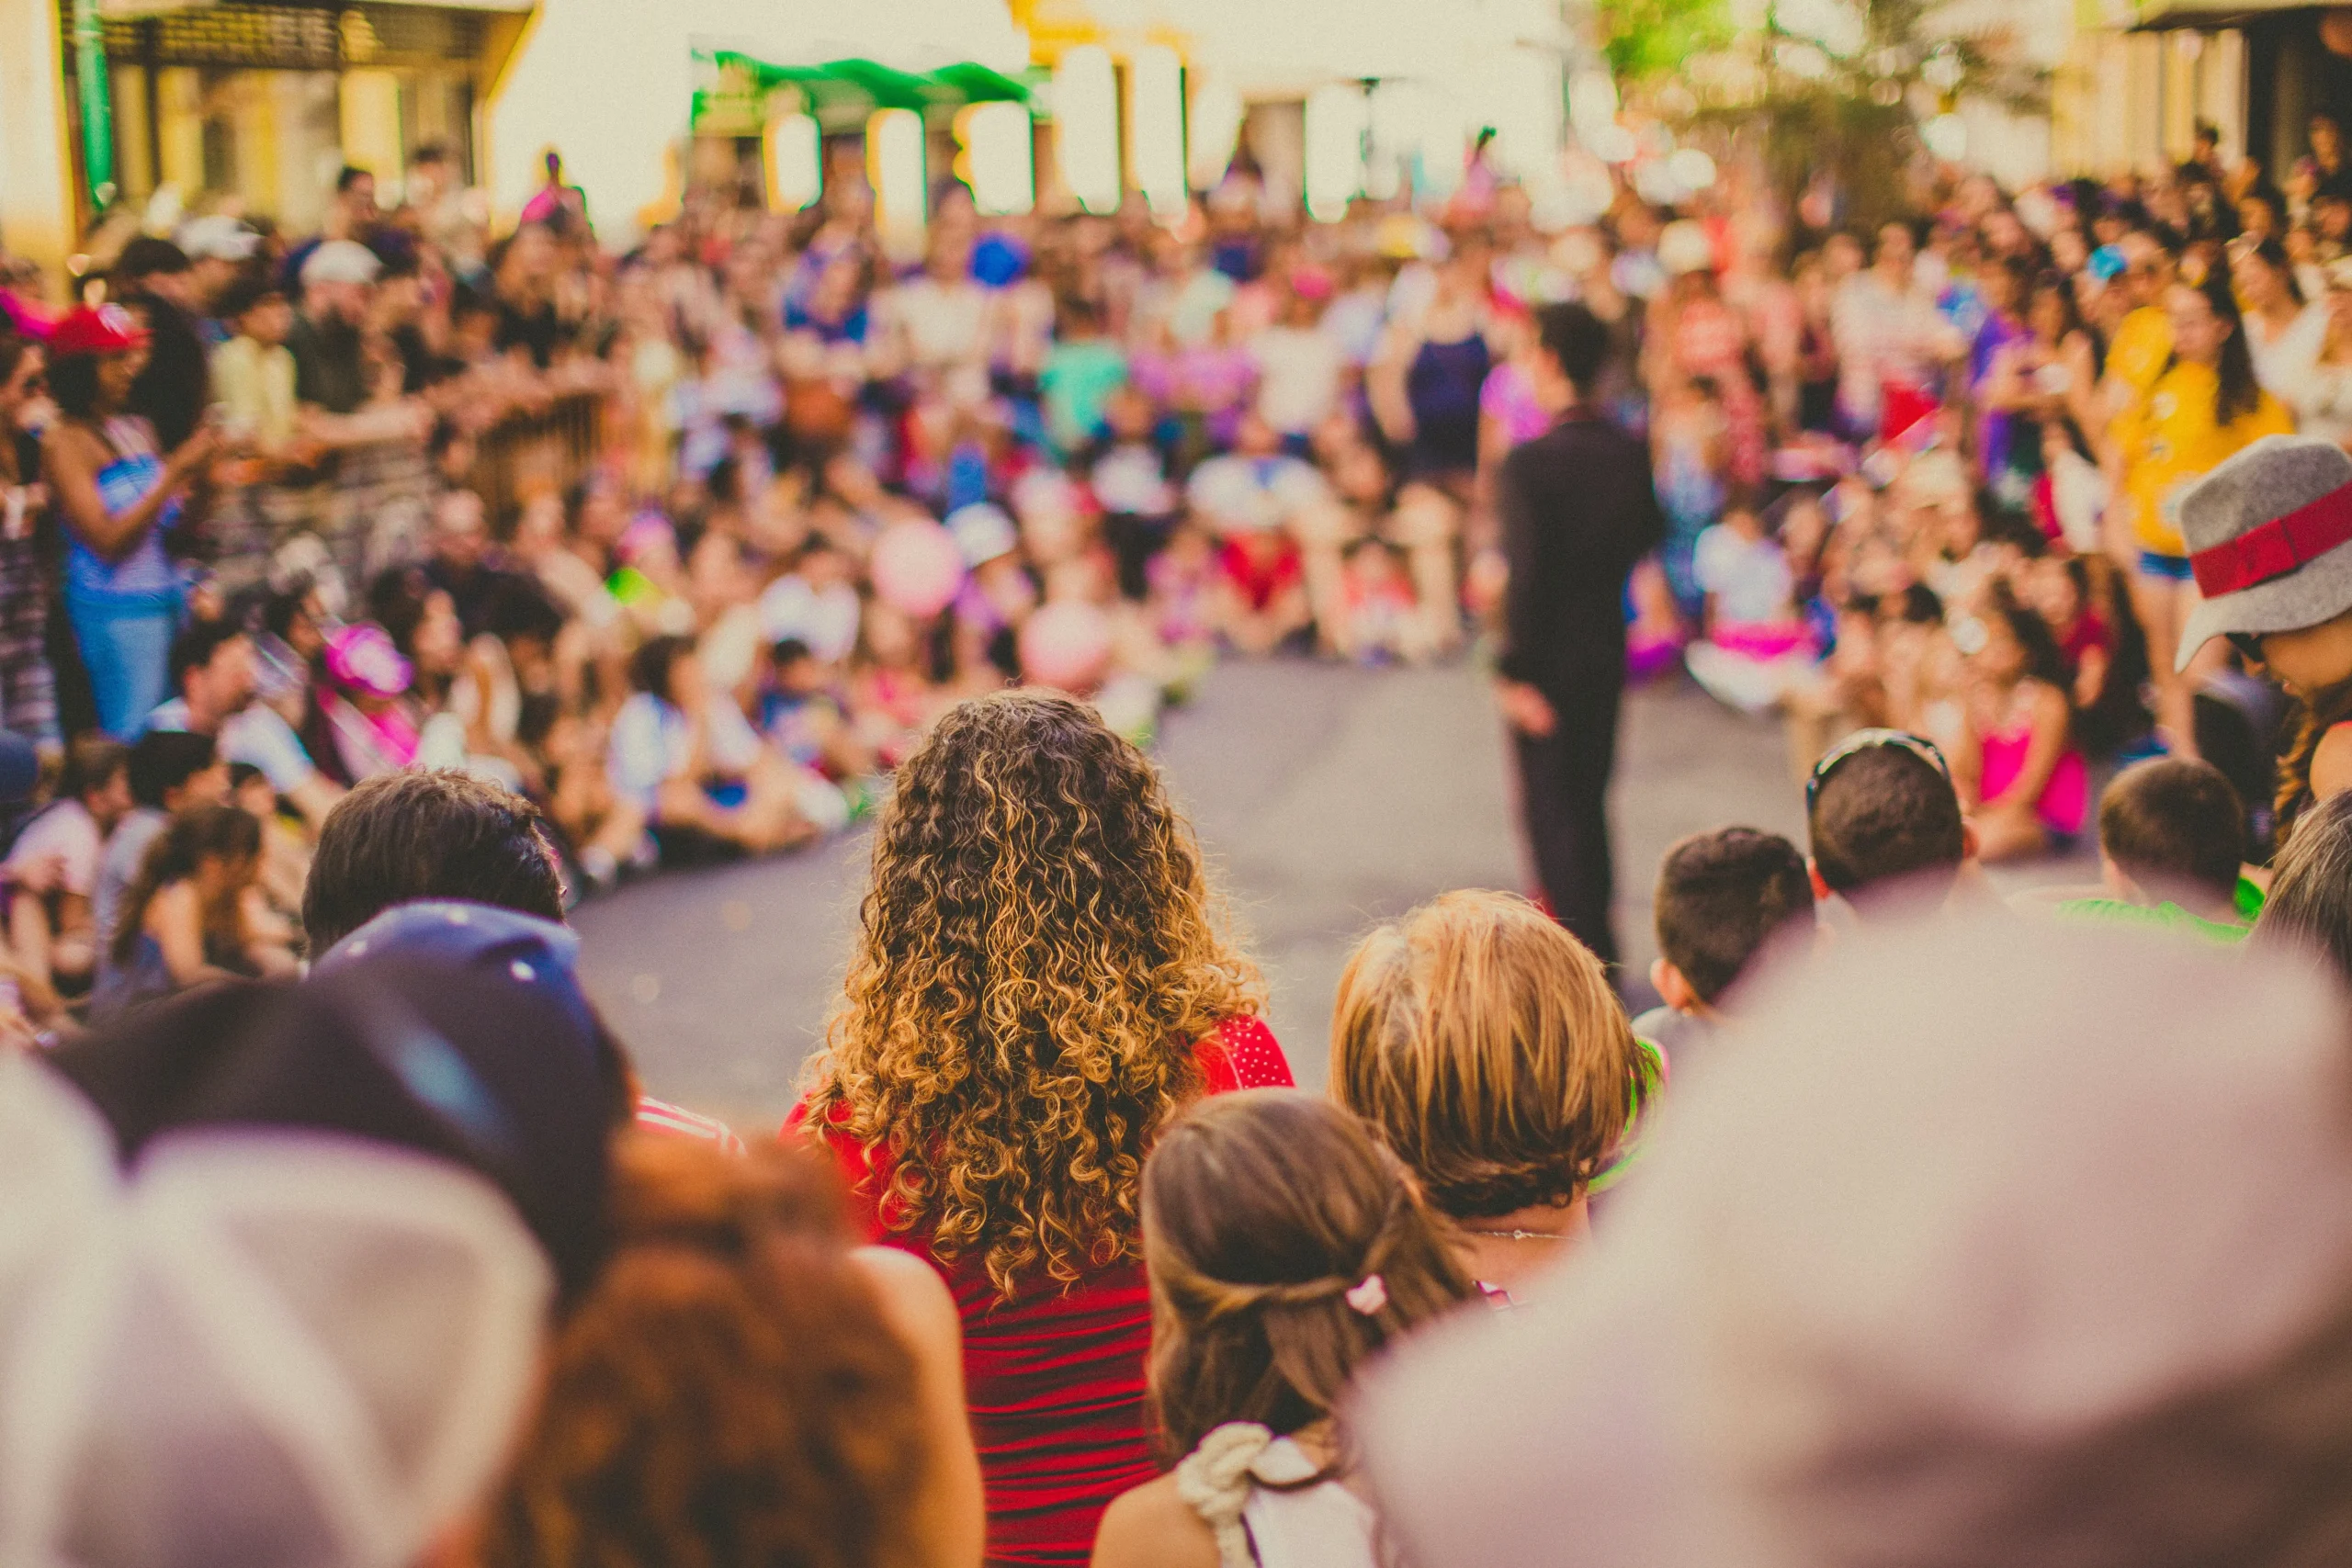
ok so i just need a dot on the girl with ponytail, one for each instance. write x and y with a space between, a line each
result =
1285 1247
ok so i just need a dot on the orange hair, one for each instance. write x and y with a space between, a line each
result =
728 1394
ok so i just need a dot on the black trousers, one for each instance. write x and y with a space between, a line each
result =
1564 801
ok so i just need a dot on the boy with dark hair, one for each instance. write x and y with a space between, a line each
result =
441 837
2171 839
421 833
212 675
1886 821
1722 898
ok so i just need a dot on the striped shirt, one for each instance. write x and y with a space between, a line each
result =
661 1116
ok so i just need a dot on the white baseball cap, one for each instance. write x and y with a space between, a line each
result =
340 260
219 237
269 1348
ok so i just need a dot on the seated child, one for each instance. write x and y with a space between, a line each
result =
1486 1046
1885 823
801 716
1285 1249
52 871
2171 840
1379 618
1722 898
693 765
1756 644
1260 589
1128 473
2031 785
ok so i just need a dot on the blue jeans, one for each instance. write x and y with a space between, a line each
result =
126 643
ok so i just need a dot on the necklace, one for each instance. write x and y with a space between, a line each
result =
1521 1235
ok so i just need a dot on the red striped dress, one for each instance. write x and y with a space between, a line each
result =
1055 1377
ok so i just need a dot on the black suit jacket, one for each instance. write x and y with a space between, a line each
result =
1577 511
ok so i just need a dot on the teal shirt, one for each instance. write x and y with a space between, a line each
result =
1077 380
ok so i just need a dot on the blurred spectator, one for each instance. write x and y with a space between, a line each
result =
1723 901
1286 1248
1947 1252
156 281
1486 1045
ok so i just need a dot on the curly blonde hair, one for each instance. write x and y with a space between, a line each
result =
1038 960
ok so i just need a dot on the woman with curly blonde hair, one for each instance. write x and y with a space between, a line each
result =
1039 985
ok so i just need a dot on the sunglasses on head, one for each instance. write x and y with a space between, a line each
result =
1873 740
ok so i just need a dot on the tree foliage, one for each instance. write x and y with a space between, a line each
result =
1842 103
1644 40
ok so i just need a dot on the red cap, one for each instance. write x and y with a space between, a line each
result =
96 329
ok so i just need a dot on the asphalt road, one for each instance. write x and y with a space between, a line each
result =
1327 798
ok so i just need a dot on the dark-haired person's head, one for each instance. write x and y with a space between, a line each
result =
1885 821
212 671
143 260
1577 340
172 768
1722 896
423 833
2173 829
2310 902
94 775
653 667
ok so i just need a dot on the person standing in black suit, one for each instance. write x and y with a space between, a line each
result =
1578 512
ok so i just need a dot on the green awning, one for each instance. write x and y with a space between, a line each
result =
747 91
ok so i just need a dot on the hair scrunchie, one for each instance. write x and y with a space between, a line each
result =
1215 1481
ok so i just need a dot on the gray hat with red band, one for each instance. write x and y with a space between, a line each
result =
2269 538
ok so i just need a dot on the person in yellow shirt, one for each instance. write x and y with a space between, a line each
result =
2204 406
2142 346
253 373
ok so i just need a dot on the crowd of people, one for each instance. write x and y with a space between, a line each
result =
393 1264
306 496
341 1231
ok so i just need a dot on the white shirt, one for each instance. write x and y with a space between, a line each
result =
652 743
946 323
1749 579
253 735
2284 362
826 622
69 832
1298 376
1254 493
1883 336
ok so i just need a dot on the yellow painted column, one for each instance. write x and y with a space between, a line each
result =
182 102
36 210
371 122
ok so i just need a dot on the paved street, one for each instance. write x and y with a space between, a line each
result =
1327 798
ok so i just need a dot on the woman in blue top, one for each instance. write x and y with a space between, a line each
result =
117 496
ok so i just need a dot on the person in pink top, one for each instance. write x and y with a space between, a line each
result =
2029 782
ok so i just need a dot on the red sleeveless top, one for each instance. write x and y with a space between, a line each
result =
1055 1376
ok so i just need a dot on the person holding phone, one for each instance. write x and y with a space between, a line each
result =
117 494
